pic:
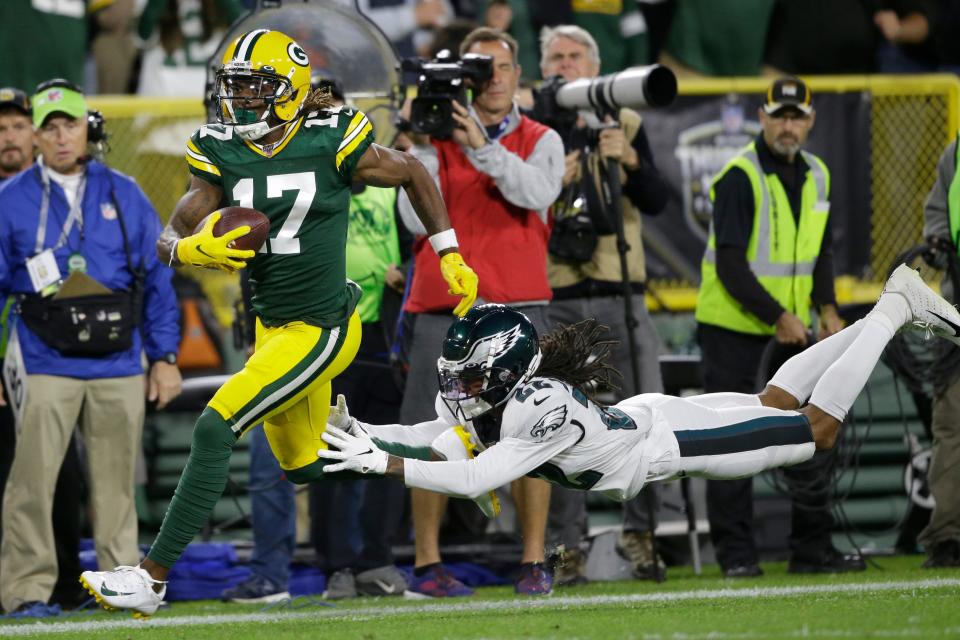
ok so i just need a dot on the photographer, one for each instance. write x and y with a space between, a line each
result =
77 250
498 173
584 269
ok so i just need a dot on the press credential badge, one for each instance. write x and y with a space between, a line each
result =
43 270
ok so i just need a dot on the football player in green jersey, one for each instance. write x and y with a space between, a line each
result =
286 151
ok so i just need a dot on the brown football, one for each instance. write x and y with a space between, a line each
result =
233 217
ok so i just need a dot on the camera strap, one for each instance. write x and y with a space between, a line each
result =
568 196
596 192
140 273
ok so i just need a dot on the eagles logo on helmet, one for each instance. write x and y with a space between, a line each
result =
486 355
252 93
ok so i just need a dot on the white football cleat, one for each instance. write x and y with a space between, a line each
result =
931 312
125 588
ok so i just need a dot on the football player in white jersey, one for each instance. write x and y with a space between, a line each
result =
523 406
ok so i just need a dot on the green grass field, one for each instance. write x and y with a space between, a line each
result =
897 599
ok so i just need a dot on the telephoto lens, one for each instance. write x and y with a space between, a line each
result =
634 88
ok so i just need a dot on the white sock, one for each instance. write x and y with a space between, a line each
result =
799 375
895 307
844 379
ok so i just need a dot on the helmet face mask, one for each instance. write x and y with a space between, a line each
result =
471 392
264 74
486 355
246 98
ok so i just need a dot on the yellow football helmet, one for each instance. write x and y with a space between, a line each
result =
264 73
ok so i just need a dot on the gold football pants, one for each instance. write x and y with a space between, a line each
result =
286 385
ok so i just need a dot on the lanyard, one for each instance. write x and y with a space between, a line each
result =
492 133
501 127
74 217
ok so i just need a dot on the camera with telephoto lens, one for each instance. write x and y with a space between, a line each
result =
557 101
442 81
580 216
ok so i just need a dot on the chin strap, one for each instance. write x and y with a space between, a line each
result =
255 131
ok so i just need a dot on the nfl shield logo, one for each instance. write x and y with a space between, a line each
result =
731 118
108 211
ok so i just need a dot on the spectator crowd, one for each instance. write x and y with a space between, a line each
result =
160 47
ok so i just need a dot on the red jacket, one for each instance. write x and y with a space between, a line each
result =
505 244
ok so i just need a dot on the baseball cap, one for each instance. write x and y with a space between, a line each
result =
9 96
58 96
790 92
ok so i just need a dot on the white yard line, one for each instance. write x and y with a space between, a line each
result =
169 619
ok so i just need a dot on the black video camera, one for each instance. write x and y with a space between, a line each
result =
442 81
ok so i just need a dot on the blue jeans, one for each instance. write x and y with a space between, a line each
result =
273 513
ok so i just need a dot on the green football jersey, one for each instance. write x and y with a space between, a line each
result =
303 186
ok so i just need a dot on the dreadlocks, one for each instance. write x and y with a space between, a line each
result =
318 99
577 354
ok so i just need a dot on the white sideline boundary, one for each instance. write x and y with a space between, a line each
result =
166 619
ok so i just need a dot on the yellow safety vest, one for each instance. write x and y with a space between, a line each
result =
780 254
953 200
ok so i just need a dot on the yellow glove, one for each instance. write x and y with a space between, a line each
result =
203 249
458 444
462 280
489 503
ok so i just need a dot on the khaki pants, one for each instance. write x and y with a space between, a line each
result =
110 413
944 473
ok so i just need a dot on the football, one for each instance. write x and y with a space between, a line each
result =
233 217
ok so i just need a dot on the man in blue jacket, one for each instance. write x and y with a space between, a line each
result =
16 155
70 226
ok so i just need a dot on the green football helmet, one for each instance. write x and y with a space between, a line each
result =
487 354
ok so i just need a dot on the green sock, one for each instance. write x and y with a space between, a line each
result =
404 451
201 485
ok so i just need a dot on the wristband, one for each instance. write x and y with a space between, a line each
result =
170 358
444 240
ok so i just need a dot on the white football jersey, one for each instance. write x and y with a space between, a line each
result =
551 430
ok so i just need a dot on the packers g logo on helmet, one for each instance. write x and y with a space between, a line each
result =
264 73
297 54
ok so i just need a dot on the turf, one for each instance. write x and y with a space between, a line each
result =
891 600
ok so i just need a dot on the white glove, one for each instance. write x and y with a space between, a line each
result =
340 417
356 452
